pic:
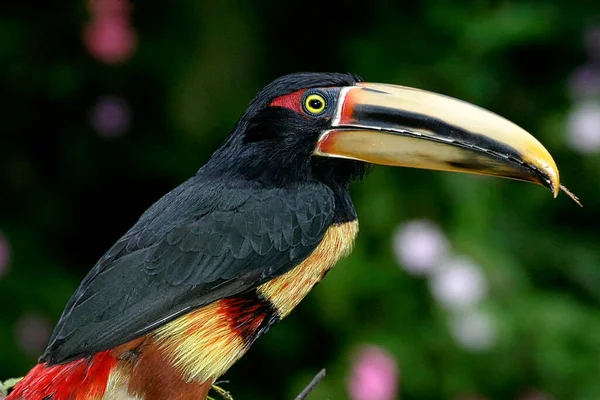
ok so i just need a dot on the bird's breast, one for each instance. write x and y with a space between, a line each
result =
200 346
286 291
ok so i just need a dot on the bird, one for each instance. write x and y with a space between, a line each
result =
216 262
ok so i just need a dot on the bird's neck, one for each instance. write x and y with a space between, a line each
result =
337 175
243 165
344 208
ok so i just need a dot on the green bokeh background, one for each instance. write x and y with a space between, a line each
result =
67 193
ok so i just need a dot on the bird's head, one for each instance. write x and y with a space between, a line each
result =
321 125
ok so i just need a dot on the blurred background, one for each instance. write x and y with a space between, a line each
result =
460 287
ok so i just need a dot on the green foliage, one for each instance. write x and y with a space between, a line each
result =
7 385
69 193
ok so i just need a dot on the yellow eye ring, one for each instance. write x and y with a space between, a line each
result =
315 104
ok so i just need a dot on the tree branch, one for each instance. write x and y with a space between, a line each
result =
315 381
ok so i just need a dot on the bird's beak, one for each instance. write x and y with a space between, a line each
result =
401 126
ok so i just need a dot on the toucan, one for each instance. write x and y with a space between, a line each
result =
219 260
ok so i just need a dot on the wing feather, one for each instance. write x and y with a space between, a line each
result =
203 241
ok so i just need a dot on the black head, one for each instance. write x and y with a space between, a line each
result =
274 140
325 127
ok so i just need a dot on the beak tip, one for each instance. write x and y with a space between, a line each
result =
550 170
554 185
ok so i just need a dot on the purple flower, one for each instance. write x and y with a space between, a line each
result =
32 334
111 117
585 82
375 375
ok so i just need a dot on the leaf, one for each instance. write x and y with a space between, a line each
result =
8 384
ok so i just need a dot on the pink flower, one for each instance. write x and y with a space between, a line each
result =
111 39
4 254
109 8
374 375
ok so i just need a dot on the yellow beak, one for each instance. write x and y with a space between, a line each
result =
401 126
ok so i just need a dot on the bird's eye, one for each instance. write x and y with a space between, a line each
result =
314 104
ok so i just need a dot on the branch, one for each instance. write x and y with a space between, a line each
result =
315 381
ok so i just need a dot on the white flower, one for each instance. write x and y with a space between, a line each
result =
583 127
420 245
473 330
458 283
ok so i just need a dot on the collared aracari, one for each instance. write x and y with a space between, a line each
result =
216 262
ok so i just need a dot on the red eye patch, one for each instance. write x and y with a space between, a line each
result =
293 101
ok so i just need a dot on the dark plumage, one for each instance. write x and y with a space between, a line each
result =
259 207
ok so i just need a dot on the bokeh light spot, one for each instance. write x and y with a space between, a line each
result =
111 117
583 127
473 330
585 82
458 283
375 375
4 254
110 40
420 246
32 334
109 36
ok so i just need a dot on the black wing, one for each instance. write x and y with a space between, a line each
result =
199 243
